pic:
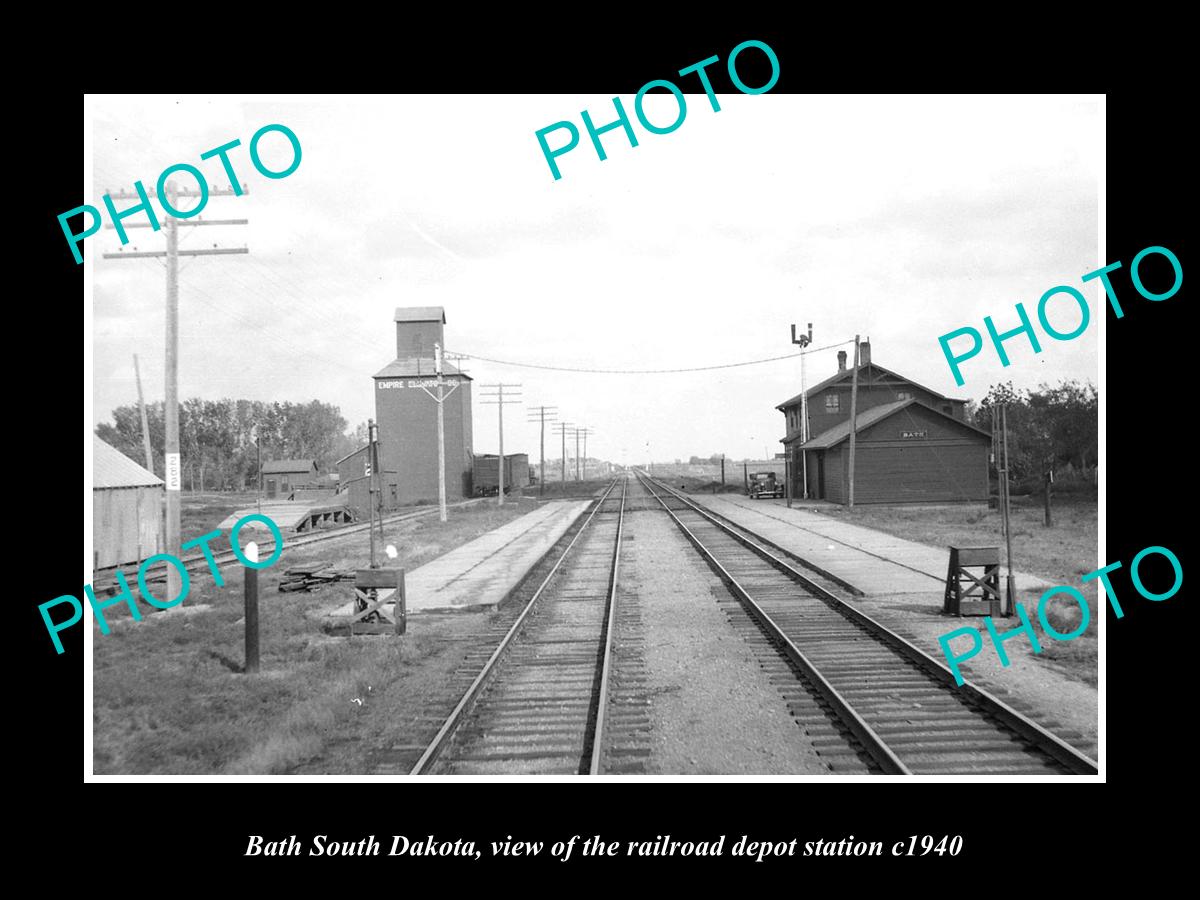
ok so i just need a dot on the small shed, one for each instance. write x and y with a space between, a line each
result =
282 476
127 508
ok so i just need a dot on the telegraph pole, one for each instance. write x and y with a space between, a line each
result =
172 468
440 399
803 340
1011 591
586 432
541 412
499 402
853 418
562 430
145 423
577 454
372 475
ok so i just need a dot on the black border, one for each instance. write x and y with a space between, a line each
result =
1001 823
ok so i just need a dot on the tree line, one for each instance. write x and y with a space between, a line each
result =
217 437
1048 428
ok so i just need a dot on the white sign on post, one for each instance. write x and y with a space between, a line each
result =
173 474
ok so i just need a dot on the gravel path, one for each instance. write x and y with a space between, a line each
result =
714 712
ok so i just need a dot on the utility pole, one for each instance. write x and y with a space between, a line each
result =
586 432
499 402
1011 590
577 454
853 418
372 475
171 406
562 430
803 341
145 423
540 416
440 399
258 452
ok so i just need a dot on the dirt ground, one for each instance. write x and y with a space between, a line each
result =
170 697
714 710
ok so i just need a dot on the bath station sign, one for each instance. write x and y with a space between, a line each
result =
914 434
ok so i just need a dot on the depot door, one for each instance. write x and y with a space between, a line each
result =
271 488
821 475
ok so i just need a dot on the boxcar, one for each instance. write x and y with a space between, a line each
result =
485 477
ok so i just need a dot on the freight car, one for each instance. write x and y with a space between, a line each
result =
485 480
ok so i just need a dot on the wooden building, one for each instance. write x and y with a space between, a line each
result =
913 445
282 476
127 512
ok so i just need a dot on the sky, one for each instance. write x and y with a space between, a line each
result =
896 218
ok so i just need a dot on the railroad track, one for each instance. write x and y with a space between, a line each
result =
540 704
898 706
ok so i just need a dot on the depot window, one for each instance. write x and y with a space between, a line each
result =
833 403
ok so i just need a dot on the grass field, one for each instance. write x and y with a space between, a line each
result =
1061 554
169 695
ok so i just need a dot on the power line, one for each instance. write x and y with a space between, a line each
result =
751 362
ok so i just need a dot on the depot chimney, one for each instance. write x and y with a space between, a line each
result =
864 353
841 360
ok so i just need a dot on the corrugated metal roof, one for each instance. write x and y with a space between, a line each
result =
280 466
113 469
420 314
869 417
411 368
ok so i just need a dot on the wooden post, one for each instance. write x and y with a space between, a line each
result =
745 476
251 582
853 420
1011 590
1049 481
373 462
500 461
171 457
441 430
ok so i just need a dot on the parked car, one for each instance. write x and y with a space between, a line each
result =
763 484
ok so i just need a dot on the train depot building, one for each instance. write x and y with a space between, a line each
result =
913 445
406 413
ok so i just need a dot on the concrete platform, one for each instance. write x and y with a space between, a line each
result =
874 562
479 574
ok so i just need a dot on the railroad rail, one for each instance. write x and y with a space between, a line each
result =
901 705
539 704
